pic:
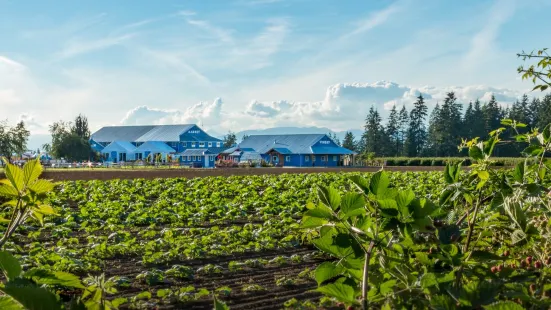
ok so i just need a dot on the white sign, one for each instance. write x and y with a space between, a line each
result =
325 142
194 131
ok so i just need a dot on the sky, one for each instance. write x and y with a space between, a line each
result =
249 64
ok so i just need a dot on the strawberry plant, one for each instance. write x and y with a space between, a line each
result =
395 250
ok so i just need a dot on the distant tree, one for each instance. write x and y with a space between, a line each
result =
13 139
334 138
434 132
492 117
230 140
349 141
403 120
374 133
468 119
417 132
478 122
393 133
244 137
71 140
80 127
46 147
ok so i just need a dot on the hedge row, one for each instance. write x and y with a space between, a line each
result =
442 161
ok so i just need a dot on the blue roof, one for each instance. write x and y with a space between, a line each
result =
331 150
120 133
120 147
195 152
297 144
155 147
253 156
287 144
165 133
282 150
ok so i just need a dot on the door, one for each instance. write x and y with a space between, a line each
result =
207 161
114 156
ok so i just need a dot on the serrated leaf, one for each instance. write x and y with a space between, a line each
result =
42 276
429 280
518 173
219 305
10 265
32 297
41 186
442 302
351 203
8 191
31 171
330 197
15 175
361 183
387 287
320 211
327 271
8 303
312 222
476 153
342 292
379 183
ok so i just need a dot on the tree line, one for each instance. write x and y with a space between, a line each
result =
418 134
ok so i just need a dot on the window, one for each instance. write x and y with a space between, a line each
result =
211 158
201 144
307 158
218 144
274 158
287 158
122 156
184 158
192 144
323 158
173 144
210 144
193 158
139 156
334 157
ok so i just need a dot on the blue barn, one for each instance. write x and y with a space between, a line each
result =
296 150
130 143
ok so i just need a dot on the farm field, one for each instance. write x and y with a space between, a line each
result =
171 243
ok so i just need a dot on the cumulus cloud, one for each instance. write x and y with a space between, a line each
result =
206 113
343 107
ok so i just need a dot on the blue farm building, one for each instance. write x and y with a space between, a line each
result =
294 150
187 144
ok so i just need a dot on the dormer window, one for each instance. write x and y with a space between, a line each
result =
210 144
201 144
218 144
192 144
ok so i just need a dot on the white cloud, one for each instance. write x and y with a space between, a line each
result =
79 47
206 113
373 20
344 107
10 63
220 33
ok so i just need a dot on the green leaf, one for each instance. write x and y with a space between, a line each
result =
9 265
327 271
320 211
312 222
483 175
330 197
41 186
31 171
448 173
404 198
44 209
429 280
442 302
518 174
342 292
119 301
219 305
379 183
504 305
15 175
352 204
42 276
547 133
361 183
476 153
387 287
448 234
32 297
422 208
388 207
8 190
8 303
533 150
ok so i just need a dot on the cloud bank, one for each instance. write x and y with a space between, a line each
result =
343 107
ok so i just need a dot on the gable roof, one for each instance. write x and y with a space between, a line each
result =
120 133
155 147
195 152
120 147
164 133
167 133
297 144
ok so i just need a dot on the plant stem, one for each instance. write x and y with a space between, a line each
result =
365 282
13 223
471 227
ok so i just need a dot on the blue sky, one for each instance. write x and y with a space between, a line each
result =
243 64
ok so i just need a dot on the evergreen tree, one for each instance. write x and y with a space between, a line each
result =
403 129
80 127
468 120
532 112
544 112
349 141
230 140
393 133
334 138
417 133
374 133
434 133
492 115
478 123
450 126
